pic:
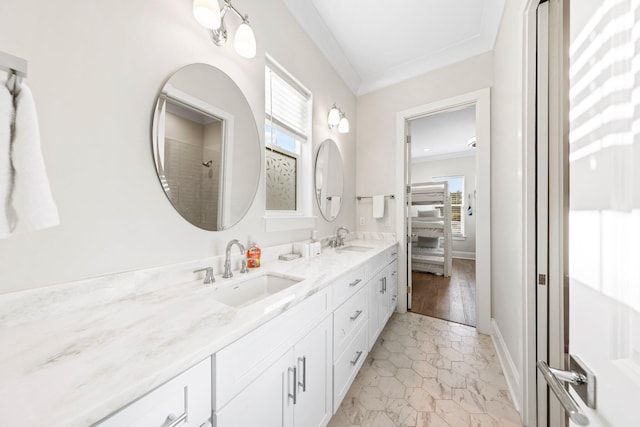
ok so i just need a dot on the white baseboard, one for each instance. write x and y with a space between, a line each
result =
509 368
463 255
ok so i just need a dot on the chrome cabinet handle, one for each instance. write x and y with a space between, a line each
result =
172 420
355 316
294 396
355 282
382 285
395 253
354 361
566 400
303 384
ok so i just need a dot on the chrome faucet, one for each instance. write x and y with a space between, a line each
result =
340 237
208 275
227 259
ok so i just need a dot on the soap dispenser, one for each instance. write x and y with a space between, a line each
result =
253 255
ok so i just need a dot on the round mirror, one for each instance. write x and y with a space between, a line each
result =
329 180
206 147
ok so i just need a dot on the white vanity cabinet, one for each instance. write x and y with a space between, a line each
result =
382 291
184 401
349 331
279 375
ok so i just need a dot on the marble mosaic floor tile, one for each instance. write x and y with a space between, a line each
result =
427 372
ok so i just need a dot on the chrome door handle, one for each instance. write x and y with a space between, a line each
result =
303 384
294 396
355 282
566 400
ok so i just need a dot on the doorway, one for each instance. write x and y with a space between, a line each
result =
443 232
482 209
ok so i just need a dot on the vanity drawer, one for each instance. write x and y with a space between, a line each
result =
348 364
238 364
347 319
381 260
187 395
348 285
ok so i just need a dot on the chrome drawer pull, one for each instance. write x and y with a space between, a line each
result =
172 420
395 253
354 361
355 316
355 282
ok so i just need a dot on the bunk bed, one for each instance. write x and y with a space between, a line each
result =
431 236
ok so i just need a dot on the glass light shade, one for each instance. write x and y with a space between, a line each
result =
334 116
343 126
207 13
245 41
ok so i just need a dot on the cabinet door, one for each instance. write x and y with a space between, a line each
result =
376 315
266 402
313 360
392 287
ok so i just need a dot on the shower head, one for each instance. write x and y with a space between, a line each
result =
207 164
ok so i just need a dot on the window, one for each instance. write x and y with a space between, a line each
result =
456 193
288 153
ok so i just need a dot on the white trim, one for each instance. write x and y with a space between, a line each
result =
463 255
446 156
482 99
528 363
509 368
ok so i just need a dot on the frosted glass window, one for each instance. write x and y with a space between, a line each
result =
281 183
287 128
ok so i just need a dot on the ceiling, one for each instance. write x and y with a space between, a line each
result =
373 45
445 134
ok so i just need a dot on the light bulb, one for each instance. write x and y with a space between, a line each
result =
343 126
334 116
245 41
207 13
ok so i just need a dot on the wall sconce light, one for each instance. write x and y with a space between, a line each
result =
337 118
209 15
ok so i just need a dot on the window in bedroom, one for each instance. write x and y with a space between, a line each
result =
456 193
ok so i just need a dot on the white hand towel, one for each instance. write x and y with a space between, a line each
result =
378 206
6 113
32 199
336 202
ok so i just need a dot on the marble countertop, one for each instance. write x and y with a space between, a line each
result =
78 364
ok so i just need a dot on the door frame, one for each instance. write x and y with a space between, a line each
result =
482 100
557 205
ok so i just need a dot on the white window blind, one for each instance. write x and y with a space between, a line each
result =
285 104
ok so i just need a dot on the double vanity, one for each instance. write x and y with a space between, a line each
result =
279 346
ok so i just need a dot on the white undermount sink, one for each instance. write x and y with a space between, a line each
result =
253 289
355 248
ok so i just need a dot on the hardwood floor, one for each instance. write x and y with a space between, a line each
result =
449 298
